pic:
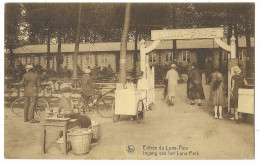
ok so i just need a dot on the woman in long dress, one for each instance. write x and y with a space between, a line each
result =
194 86
172 77
217 93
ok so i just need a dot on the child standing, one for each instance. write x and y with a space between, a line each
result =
217 93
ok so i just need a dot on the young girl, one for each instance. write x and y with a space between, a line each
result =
217 93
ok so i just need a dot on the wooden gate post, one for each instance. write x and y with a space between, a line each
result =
233 61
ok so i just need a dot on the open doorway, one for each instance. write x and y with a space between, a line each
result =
201 60
202 57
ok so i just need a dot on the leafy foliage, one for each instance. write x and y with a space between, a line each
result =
12 25
103 22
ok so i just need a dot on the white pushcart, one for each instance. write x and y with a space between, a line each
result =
129 101
246 102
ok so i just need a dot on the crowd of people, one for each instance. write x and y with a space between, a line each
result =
195 92
31 83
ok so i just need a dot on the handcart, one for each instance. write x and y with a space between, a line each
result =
245 102
129 101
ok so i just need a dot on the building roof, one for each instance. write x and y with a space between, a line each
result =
115 46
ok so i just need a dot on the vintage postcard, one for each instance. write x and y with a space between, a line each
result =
129 80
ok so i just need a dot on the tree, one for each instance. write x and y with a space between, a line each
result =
75 57
124 44
12 27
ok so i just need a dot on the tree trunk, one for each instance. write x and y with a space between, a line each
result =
229 29
174 50
122 73
249 55
48 50
249 63
12 56
173 26
59 57
75 57
236 36
135 54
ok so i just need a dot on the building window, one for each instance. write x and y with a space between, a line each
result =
152 57
81 61
53 62
169 56
242 55
186 56
104 59
32 60
67 61
26 61
89 58
39 60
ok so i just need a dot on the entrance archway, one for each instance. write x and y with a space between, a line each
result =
178 34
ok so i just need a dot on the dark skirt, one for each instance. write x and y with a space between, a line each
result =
84 121
234 103
196 92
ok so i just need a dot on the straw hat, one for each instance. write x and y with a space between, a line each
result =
28 66
87 71
173 66
219 76
236 69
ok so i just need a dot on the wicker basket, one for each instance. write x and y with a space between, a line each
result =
96 130
80 140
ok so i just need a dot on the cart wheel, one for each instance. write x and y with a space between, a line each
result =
140 112
17 107
115 116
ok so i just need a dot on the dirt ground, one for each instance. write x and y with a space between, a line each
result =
177 132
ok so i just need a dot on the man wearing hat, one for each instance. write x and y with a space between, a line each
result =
172 77
31 83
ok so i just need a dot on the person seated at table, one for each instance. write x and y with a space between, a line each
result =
88 86
66 108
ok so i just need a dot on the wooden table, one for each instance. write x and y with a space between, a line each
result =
61 124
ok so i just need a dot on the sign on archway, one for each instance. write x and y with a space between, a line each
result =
196 33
